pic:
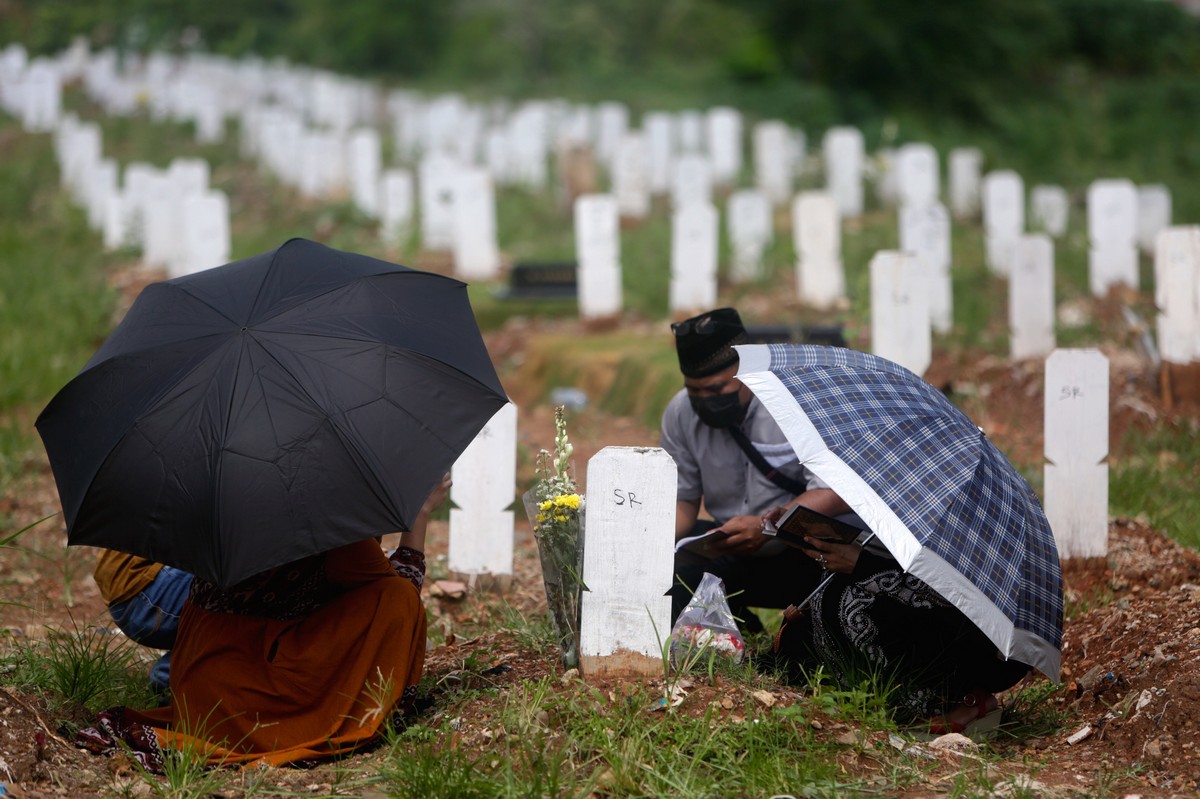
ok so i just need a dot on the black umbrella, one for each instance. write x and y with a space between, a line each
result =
249 415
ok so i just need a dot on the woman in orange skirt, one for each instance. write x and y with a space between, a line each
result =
300 663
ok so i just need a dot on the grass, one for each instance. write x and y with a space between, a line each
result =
88 667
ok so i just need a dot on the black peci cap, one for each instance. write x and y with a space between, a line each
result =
705 343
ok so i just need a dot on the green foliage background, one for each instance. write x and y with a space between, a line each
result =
1050 88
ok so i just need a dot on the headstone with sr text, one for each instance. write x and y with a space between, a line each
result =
1076 475
628 562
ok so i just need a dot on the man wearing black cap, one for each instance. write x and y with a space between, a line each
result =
735 461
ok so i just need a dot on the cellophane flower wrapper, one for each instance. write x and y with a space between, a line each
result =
706 622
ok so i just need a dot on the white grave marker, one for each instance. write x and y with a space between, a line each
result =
1003 217
750 228
436 178
1049 209
481 523
631 176
395 206
476 251
1177 293
917 175
660 133
817 238
1154 214
692 181
966 164
365 157
598 253
206 237
724 144
1112 231
628 561
1031 298
925 231
843 149
693 257
900 329
1076 425
773 160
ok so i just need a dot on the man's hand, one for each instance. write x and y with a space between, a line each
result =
743 536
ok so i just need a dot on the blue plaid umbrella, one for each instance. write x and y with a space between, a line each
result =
947 504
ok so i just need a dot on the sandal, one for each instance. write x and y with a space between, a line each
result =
984 725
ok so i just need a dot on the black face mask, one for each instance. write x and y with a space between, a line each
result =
720 410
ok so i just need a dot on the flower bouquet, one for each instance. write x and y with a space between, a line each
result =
555 509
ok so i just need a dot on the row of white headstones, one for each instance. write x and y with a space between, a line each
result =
183 225
304 127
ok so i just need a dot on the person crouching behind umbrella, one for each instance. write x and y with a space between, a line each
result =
874 622
145 600
302 662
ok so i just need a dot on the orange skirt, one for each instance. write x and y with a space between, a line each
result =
320 686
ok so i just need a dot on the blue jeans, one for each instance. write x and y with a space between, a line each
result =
151 618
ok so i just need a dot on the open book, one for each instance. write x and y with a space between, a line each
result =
702 544
800 522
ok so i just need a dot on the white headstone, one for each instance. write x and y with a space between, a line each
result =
817 239
158 221
612 120
750 228
1076 425
484 485
900 329
206 237
724 126
660 132
692 181
631 176
966 165
436 178
1031 298
118 227
1154 214
917 175
365 163
773 160
476 251
691 133
925 232
628 561
1003 217
598 254
843 150
1112 231
693 257
396 206
1049 209
1177 293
